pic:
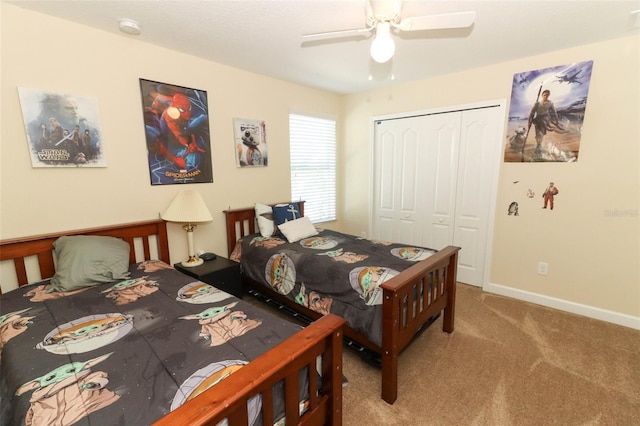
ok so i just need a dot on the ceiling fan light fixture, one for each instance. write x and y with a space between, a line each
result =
382 46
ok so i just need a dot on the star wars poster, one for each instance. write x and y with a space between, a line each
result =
547 112
251 143
176 122
63 130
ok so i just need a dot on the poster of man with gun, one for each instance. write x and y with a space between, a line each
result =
541 129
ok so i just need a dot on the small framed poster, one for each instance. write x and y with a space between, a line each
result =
250 142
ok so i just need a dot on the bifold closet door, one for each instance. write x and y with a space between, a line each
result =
398 169
478 164
415 168
438 188
432 182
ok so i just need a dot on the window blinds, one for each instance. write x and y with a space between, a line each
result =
312 143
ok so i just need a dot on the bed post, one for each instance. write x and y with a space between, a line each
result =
163 242
332 367
451 282
390 315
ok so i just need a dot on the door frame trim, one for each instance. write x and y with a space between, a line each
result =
501 104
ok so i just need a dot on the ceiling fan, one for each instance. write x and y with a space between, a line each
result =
383 47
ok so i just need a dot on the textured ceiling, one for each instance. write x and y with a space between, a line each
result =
265 36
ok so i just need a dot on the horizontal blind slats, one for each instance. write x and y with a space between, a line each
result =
313 165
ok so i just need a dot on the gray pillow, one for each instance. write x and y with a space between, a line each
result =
86 260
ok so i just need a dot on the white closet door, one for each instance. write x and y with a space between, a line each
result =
479 147
438 188
434 183
399 146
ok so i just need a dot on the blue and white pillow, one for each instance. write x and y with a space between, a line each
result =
284 213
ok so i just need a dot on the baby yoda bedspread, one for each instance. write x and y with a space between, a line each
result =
330 272
124 353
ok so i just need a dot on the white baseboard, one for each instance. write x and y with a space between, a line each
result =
563 305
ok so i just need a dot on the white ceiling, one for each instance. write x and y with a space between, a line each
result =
265 36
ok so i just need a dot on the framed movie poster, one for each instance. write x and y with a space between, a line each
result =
547 112
251 142
63 130
176 123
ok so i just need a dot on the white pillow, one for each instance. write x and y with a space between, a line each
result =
295 230
264 213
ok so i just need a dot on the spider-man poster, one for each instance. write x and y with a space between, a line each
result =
176 125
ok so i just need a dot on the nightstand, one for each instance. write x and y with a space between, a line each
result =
220 272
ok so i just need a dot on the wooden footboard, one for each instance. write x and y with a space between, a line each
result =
410 300
282 363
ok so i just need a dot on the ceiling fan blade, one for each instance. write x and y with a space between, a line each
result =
397 7
370 22
437 22
340 33
368 13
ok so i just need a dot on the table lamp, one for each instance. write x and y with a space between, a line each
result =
188 208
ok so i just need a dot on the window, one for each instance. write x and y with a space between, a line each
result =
312 143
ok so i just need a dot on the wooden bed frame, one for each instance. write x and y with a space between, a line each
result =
229 401
410 299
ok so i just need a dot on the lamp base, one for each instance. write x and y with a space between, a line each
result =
192 261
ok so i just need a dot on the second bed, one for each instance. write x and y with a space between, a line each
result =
386 292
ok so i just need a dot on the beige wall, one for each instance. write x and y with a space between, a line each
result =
593 255
47 53
591 240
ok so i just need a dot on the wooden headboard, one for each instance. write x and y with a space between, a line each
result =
18 249
241 222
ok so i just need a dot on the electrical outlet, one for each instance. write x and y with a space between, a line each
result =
543 268
363 234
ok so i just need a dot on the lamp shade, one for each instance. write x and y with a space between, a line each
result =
383 46
187 207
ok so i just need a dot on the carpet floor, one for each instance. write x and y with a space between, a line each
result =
508 362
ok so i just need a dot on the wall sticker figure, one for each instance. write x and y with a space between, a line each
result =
548 195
